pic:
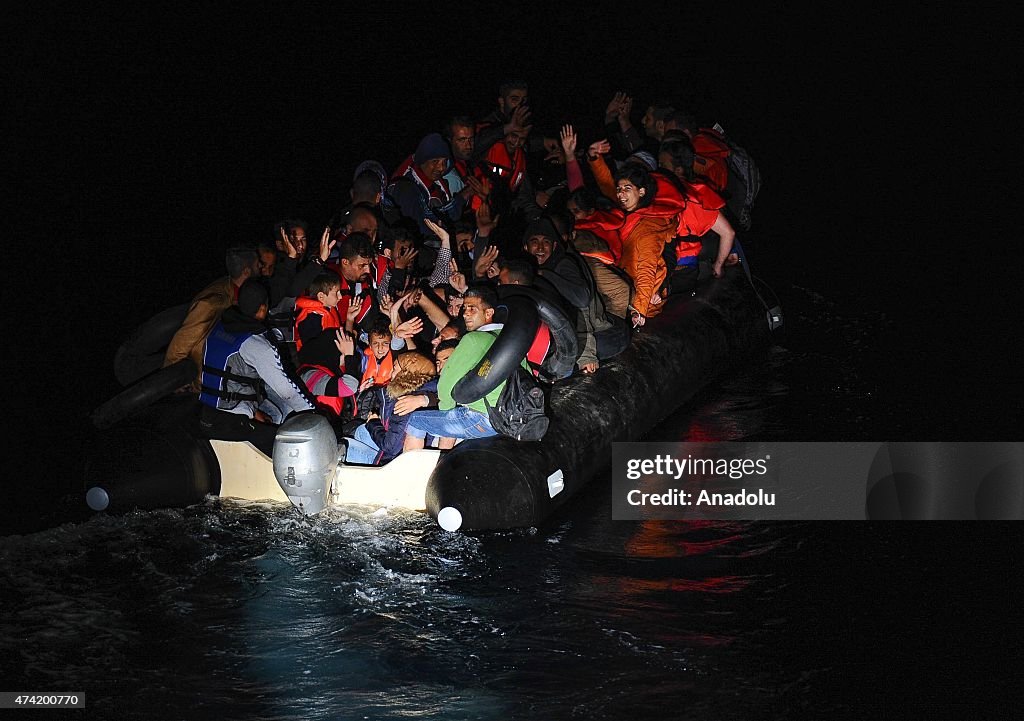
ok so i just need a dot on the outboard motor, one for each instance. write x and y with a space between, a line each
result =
306 456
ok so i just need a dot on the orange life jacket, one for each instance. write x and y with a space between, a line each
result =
329 317
380 371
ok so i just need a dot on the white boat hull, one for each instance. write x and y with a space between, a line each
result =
247 473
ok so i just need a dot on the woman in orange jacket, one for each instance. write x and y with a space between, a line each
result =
652 216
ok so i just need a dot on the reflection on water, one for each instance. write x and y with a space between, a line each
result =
247 609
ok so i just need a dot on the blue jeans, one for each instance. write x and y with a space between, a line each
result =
459 422
361 448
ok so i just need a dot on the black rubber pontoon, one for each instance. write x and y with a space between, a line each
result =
496 483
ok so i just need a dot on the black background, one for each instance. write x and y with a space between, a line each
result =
141 143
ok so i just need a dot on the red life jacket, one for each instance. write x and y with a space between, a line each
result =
329 317
604 256
380 265
510 169
346 296
380 371
605 225
711 156
539 349
701 212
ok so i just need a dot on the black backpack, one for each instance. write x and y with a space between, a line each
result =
519 413
742 166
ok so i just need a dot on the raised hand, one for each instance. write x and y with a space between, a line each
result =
354 306
624 110
568 136
614 107
601 147
409 328
412 299
485 223
405 256
437 230
457 280
286 245
484 262
477 187
520 119
344 343
326 245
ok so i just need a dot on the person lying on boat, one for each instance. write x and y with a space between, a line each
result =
246 391
412 386
454 421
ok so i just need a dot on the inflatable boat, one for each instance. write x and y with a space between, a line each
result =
155 459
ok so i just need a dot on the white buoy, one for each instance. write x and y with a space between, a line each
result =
450 519
97 499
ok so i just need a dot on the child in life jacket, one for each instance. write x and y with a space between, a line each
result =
324 348
377 360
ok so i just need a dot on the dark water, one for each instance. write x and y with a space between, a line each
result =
160 144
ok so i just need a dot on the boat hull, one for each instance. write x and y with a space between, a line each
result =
496 483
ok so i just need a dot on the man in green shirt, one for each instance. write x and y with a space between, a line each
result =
453 421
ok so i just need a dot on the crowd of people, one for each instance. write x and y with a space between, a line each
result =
373 321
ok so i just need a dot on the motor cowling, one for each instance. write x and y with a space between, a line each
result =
306 461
